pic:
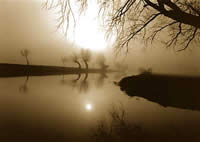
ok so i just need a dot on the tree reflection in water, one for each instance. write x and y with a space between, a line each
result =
100 80
24 88
118 129
84 85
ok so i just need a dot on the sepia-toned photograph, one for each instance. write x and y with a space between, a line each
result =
99 71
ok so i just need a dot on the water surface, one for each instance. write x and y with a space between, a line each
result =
57 105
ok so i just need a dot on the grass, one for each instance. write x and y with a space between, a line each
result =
14 70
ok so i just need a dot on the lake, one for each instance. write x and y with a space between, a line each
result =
49 108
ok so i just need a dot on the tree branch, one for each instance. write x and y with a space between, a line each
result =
188 43
160 29
140 29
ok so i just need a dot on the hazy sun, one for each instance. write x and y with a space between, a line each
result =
88 106
87 33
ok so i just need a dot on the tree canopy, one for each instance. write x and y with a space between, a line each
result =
178 21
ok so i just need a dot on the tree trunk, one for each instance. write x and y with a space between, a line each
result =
176 13
85 78
27 60
86 64
27 78
79 65
184 18
79 76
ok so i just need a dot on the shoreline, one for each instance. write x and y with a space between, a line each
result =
17 70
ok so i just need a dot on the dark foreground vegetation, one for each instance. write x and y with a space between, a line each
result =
166 90
119 129
115 128
13 70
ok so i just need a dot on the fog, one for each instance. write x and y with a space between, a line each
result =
55 107
24 24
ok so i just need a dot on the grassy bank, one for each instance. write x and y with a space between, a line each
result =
166 90
14 70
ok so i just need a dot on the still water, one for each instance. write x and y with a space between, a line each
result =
63 104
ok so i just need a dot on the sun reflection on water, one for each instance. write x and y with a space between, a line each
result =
88 107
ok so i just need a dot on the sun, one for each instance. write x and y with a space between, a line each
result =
88 33
88 36
88 107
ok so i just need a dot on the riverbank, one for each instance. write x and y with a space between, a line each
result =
166 90
14 70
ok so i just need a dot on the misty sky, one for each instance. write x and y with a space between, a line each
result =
27 25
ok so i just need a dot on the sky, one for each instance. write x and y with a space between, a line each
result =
24 24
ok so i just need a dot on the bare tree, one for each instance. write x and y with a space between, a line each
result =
130 19
25 53
117 129
145 71
64 60
101 61
75 59
86 57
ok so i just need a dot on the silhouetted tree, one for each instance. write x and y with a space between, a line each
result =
25 53
145 71
118 129
75 59
132 18
64 60
101 61
86 57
